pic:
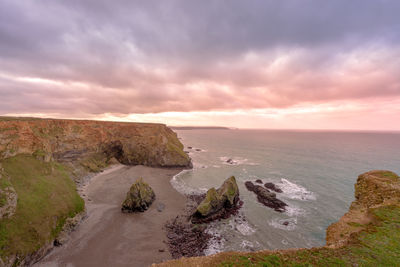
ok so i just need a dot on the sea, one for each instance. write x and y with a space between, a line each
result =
316 171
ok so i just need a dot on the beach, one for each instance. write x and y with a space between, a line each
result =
108 237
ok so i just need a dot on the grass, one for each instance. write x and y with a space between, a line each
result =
46 197
377 245
95 162
388 174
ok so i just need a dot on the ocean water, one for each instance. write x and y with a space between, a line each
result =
316 171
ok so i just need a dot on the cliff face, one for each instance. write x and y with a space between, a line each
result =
367 235
373 189
92 141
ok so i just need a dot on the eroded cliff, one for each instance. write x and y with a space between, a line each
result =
92 142
38 158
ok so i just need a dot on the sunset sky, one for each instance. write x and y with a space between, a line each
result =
294 64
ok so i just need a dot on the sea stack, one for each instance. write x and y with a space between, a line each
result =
139 197
218 203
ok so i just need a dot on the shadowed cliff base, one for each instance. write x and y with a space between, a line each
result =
368 235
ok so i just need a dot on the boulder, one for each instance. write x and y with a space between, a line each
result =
265 197
139 197
218 203
273 187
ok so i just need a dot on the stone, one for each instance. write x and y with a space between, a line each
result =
258 181
139 197
160 207
265 197
218 203
273 187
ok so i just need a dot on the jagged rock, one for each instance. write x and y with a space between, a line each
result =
250 186
258 181
264 196
218 203
273 187
139 197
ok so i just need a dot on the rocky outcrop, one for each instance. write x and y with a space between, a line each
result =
367 235
139 197
218 203
273 187
373 189
92 143
265 197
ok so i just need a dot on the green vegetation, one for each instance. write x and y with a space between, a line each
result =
46 197
377 245
95 162
391 175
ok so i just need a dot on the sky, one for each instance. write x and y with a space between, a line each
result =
293 64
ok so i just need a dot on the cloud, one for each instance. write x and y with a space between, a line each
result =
89 58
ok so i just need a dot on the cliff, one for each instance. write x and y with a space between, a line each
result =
38 158
91 142
367 235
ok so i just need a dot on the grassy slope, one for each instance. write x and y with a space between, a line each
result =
377 245
46 197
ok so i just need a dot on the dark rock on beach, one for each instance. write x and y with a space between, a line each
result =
258 181
139 197
218 204
264 196
273 187
230 161
186 239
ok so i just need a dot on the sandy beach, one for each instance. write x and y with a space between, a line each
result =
108 237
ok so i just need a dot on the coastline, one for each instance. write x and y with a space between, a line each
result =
107 237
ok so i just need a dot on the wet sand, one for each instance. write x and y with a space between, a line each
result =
108 237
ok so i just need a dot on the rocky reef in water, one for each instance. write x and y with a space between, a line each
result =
187 236
38 158
367 235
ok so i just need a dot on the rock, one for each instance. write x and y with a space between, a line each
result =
161 250
139 197
186 239
93 143
230 161
218 203
373 189
273 187
286 223
266 197
189 147
160 207
258 181
250 186
198 149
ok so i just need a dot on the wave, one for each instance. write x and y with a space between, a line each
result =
182 187
284 224
295 191
236 161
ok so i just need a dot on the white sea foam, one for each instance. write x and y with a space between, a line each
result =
293 211
236 161
182 187
280 224
247 245
295 191
241 225
216 243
